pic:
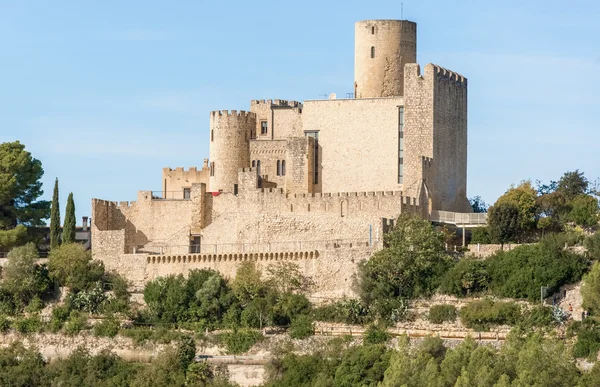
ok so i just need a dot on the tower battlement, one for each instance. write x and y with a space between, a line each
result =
441 72
276 102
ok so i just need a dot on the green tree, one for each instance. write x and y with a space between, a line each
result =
55 219
410 266
72 266
503 222
584 210
247 284
164 371
592 244
186 350
524 198
68 235
573 184
22 276
363 366
286 277
20 188
590 290
167 299
478 204
21 367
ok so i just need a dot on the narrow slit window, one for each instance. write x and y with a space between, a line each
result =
282 167
372 30
372 51
278 168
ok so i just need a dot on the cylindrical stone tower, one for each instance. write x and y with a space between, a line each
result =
381 49
229 147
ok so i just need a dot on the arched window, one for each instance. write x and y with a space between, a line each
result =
282 167
372 51
258 167
278 168
372 30
253 163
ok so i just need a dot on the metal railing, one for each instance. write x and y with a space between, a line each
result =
459 218
172 195
265 247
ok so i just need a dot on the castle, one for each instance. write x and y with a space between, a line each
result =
317 182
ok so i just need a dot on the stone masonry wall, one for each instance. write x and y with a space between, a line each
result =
435 127
358 139
175 180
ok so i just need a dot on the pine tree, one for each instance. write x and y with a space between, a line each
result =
68 235
55 219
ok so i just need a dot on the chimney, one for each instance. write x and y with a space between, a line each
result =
84 223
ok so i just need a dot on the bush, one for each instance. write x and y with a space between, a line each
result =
480 315
60 314
107 328
76 323
28 325
239 341
480 235
440 313
376 335
302 327
347 311
72 266
588 339
4 324
139 336
466 277
88 300
521 272
539 316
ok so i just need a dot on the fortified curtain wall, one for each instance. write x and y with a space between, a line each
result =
436 136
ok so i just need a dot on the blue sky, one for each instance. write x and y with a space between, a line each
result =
107 93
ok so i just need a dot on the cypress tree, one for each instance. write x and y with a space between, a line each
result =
68 235
55 219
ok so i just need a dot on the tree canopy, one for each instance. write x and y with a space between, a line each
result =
20 189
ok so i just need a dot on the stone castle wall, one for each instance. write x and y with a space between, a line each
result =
358 143
175 180
435 125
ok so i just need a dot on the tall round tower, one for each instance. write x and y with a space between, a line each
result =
381 49
229 147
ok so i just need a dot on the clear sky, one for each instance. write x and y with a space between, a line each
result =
106 93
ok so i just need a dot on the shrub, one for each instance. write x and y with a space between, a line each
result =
35 305
480 315
466 277
88 300
539 316
4 324
28 325
240 341
138 335
588 338
347 311
480 235
440 313
521 272
76 323
60 314
107 328
302 327
376 335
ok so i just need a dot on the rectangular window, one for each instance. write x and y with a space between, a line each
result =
401 145
315 135
212 168
195 244
235 189
263 127
186 193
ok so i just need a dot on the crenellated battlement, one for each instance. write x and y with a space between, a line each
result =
276 102
182 170
444 73
232 114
